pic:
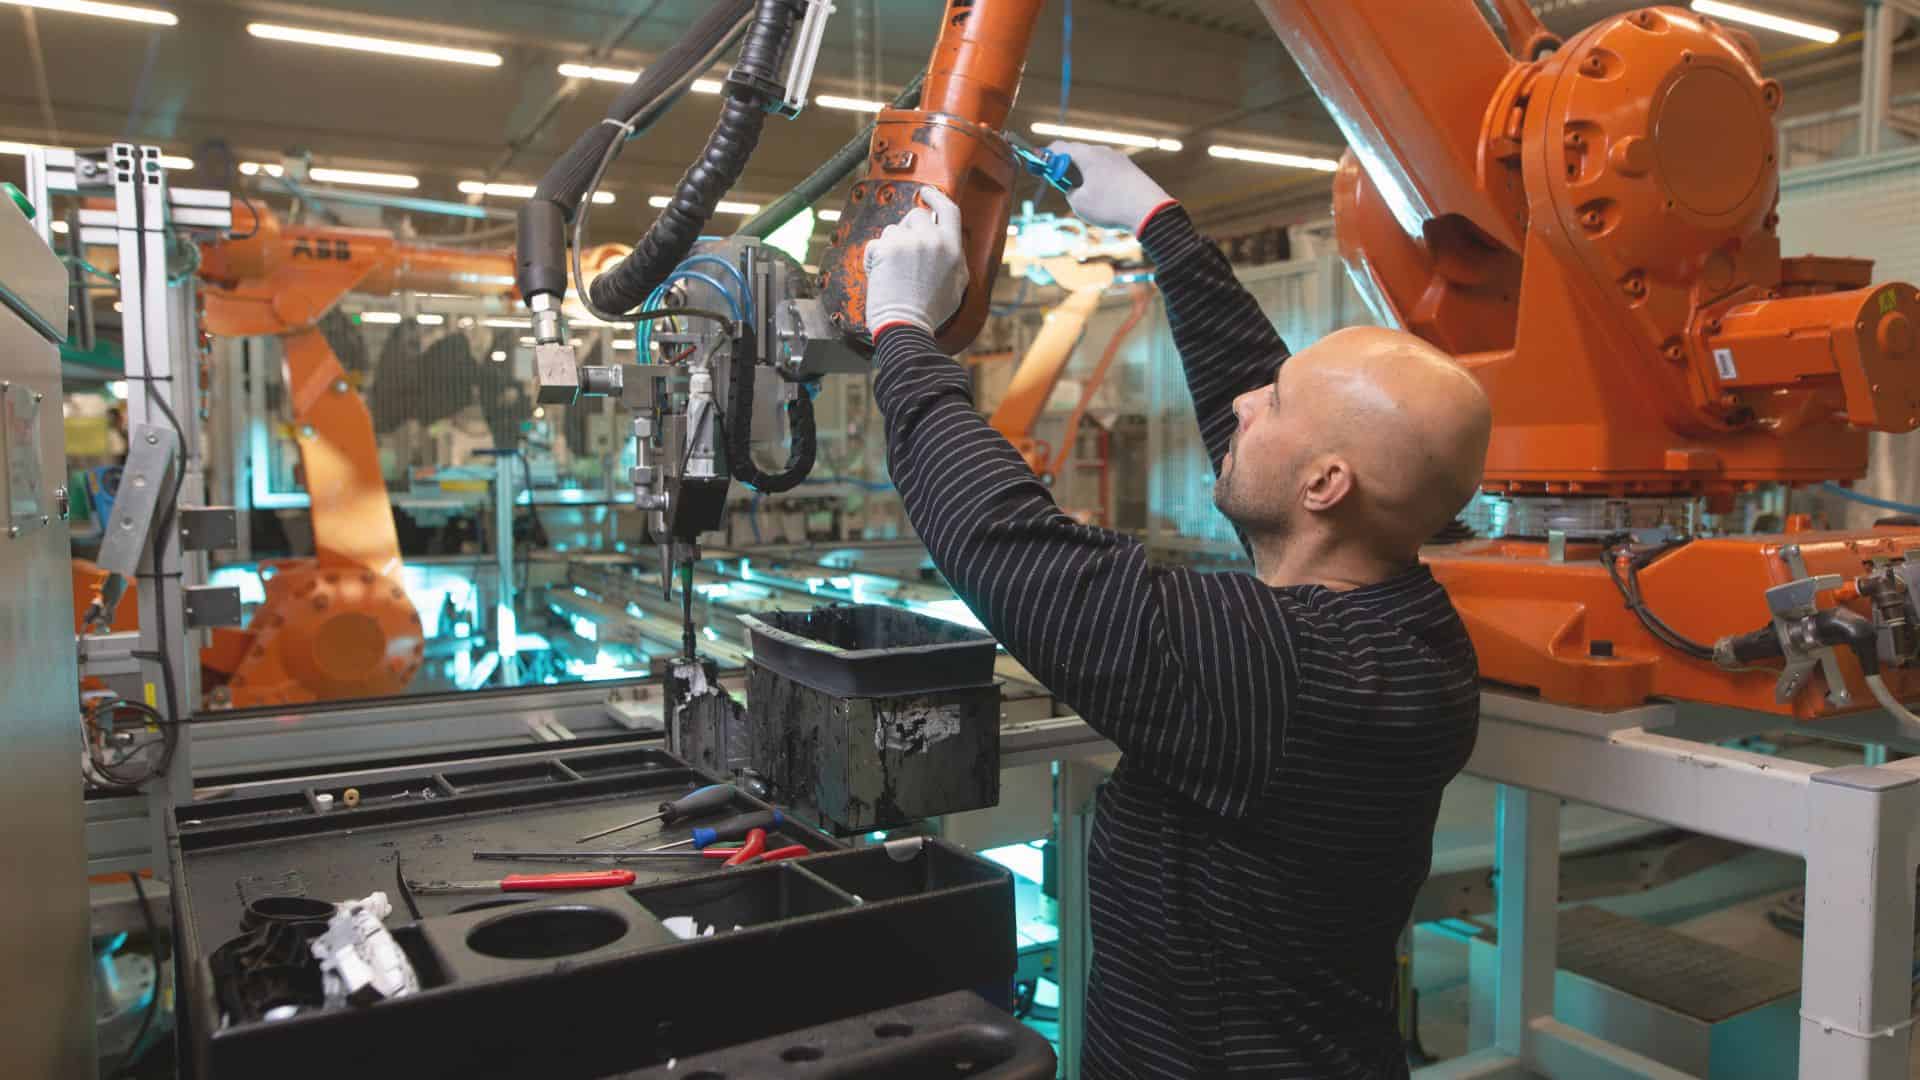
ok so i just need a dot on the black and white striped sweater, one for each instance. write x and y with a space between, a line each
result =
1257 852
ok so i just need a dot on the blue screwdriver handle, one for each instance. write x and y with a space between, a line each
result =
699 801
737 828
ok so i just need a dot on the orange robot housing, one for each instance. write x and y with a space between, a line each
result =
951 142
1593 233
339 624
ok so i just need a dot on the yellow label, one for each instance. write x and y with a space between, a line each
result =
1888 300
153 700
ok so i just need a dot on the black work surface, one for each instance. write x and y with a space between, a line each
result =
892 924
351 863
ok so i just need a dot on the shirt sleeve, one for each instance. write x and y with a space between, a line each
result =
1187 673
1227 344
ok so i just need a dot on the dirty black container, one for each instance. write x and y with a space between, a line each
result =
869 717
871 650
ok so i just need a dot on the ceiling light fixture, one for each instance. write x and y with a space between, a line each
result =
1101 135
628 75
123 12
829 215
59 226
1766 21
519 191
623 345
848 104
659 202
1269 157
361 178
254 168
387 46
380 318
507 324
430 319
601 74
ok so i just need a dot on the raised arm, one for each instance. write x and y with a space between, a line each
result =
1082 608
1226 342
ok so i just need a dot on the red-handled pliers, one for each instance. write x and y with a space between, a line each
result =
562 882
791 851
750 849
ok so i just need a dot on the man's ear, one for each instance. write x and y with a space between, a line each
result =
1329 481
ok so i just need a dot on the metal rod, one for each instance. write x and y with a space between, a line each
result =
573 856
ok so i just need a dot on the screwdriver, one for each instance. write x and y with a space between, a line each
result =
593 879
701 801
735 828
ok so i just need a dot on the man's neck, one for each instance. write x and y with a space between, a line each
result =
1325 561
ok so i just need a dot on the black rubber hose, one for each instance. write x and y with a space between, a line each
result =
674 233
541 263
567 180
739 429
828 175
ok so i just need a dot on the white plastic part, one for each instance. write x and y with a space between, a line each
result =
360 963
806 55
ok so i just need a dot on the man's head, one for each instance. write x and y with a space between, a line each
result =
1371 437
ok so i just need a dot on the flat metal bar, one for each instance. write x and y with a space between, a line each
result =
1748 798
1560 1050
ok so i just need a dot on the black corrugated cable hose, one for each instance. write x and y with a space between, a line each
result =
753 81
738 429
542 263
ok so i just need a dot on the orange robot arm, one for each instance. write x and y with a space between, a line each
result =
340 624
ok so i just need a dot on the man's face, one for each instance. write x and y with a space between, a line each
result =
1258 485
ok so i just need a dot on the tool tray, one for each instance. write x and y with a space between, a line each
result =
573 984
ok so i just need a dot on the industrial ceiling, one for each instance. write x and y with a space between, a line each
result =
1197 71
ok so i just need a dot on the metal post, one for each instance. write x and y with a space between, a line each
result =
506 620
1075 785
1527 883
157 327
1856 1011
1876 70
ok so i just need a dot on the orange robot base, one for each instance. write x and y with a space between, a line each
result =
1537 623
328 629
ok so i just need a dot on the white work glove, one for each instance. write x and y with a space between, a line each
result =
917 268
1114 193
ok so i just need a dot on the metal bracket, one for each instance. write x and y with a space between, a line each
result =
150 463
1790 604
209 528
558 374
213 605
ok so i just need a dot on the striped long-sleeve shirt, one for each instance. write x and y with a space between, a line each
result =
1257 851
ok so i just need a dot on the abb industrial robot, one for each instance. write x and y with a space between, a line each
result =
1590 226
340 624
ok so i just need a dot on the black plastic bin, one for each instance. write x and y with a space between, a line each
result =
870 650
869 717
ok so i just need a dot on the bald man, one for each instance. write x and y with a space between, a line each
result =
1285 734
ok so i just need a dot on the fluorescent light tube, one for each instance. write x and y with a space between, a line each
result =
387 46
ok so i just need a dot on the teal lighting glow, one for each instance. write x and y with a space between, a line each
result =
795 237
